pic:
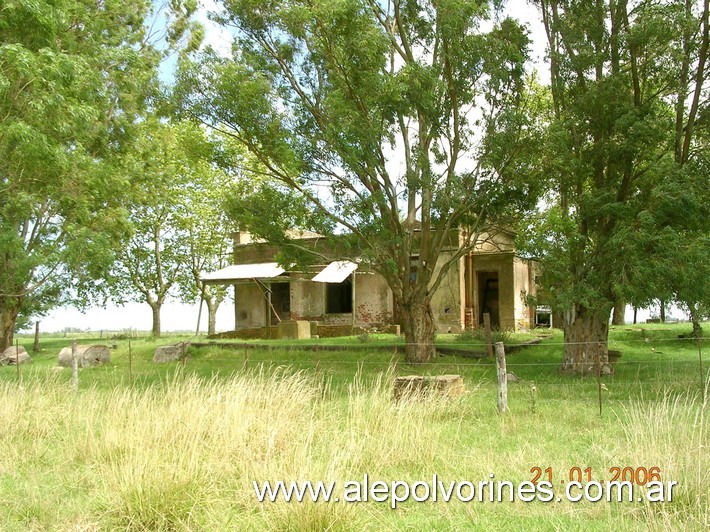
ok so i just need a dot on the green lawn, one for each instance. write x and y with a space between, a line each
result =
173 447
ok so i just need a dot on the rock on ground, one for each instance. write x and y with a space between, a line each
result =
171 353
412 386
87 355
10 356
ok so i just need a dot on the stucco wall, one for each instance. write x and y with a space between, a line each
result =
373 300
446 303
524 286
250 306
307 298
502 264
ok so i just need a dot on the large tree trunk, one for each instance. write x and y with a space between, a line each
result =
9 309
586 335
662 304
155 307
418 328
212 306
695 320
617 317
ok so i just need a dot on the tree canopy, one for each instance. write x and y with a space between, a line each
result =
620 128
73 77
394 122
177 223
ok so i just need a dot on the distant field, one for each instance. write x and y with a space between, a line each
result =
173 447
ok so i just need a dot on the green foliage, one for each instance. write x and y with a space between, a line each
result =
73 78
611 222
324 93
364 337
479 336
178 225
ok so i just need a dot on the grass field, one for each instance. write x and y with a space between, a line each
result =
173 447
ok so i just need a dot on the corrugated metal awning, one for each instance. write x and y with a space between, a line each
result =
241 272
336 272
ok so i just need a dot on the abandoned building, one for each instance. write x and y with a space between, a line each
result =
341 298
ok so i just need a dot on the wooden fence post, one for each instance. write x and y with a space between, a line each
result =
17 359
502 379
74 367
35 347
489 334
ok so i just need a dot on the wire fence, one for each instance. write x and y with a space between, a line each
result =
463 357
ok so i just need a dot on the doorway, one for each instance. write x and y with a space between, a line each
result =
488 297
281 302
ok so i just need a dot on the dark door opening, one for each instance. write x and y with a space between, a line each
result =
488 297
339 297
281 302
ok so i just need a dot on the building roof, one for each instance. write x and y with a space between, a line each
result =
336 272
242 272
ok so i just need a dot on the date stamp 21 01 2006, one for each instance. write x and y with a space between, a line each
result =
622 479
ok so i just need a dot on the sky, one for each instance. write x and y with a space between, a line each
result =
174 317
180 317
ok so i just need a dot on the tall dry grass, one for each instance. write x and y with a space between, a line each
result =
671 432
182 454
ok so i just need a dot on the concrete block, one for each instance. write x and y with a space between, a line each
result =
413 386
293 329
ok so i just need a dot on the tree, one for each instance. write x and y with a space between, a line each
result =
202 218
177 224
678 245
688 280
689 286
73 77
613 73
386 119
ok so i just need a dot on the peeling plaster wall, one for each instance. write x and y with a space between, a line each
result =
373 300
524 315
250 306
501 263
446 304
373 304
307 298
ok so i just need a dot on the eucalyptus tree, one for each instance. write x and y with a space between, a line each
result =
206 229
178 227
386 120
627 79
73 77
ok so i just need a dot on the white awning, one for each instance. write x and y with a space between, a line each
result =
240 272
336 272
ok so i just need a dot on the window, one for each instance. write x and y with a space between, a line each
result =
339 297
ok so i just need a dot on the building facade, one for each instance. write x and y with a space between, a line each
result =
491 278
